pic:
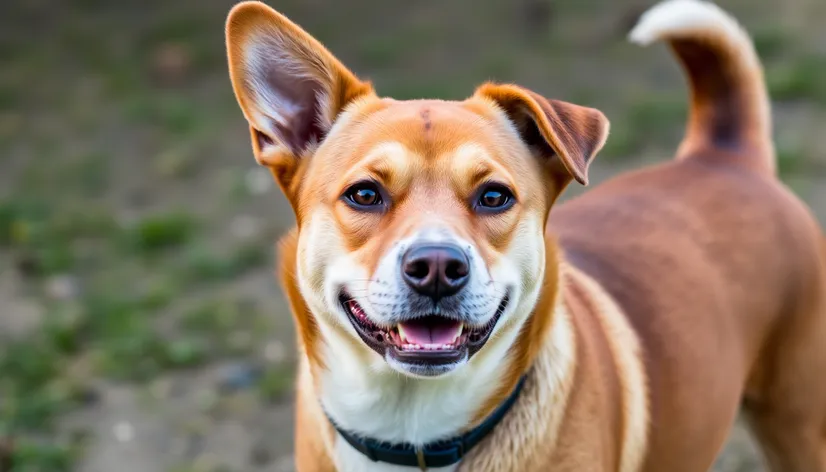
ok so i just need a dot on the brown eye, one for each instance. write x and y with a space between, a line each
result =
363 195
495 198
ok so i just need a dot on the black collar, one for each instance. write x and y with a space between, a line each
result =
436 454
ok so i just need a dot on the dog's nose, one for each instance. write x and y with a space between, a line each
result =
435 270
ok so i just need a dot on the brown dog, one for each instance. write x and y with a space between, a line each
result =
442 327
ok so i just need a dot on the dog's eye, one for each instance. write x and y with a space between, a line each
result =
364 195
495 197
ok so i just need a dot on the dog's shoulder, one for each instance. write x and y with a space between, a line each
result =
610 368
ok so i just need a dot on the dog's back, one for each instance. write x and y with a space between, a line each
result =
718 267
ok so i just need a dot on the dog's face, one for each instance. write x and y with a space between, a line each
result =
420 223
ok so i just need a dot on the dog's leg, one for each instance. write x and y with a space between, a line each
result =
787 405
789 420
790 444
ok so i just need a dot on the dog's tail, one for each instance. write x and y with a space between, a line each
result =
730 108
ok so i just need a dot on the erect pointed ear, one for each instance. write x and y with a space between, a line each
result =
290 88
552 128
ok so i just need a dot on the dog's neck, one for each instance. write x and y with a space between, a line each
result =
390 407
376 402
530 431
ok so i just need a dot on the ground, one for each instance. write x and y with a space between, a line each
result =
141 327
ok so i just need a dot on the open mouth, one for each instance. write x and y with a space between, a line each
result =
431 339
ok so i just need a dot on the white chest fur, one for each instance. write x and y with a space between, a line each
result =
531 424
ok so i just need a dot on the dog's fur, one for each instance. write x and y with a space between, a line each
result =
645 314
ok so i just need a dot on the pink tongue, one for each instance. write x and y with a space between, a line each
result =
430 331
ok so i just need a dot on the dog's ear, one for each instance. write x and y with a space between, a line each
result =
290 88
573 134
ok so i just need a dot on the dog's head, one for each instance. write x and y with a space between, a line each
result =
420 235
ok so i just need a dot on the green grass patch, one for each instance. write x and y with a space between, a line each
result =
31 394
276 382
119 330
177 161
160 291
89 174
791 159
39 246
160 231
39 456
623 142
8 222
220 321
379 52
654 114
649 119
209 317
204 264
388 49
178 28
771 43
44 238
27 220
171 112
9 97
799 79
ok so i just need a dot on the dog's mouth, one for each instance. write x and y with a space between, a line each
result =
429 340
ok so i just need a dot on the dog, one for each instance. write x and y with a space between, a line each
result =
450 316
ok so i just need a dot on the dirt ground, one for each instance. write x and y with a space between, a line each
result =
141 328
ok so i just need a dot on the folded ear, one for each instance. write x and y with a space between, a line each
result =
290 88
552 128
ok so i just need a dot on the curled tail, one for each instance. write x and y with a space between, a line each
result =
730 108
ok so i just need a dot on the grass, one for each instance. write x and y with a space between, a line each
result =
35 456
791 160
157 232
177 115
649 120
112 323
203 264
799 79
276 383
771 42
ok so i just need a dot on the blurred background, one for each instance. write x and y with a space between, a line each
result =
141 327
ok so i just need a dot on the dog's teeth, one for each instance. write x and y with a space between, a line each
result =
438 347
425 347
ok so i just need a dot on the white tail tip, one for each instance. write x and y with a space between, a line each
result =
675 18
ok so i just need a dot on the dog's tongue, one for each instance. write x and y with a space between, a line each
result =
430 330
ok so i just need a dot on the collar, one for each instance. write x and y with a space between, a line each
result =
435 454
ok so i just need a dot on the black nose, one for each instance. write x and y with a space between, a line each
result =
435 270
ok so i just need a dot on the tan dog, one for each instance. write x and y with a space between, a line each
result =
424 284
